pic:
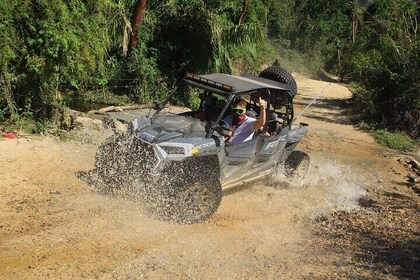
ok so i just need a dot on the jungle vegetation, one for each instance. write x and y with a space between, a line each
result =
54 53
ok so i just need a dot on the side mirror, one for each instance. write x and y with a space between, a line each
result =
224 131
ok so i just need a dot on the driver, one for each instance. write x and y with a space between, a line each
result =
244 126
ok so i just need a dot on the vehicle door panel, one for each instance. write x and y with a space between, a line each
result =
238 159
269 146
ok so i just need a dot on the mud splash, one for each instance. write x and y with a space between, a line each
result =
332 186
123 168
259 232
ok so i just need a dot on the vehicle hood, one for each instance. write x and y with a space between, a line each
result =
168 128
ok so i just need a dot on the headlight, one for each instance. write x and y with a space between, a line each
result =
170 150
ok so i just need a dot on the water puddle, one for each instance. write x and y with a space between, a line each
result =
329 186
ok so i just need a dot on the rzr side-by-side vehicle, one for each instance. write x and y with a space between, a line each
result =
179 164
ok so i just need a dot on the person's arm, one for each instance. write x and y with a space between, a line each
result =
262 117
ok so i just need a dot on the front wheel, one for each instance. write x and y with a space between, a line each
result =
196 201
183 201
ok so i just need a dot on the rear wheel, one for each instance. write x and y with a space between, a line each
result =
296 165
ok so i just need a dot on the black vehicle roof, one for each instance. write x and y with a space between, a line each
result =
227 84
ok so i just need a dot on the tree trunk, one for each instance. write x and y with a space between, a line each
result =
135 21
8 95
354 26
241 17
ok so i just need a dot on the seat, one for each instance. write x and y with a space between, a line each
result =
252 114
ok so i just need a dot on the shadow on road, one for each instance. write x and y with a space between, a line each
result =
324 109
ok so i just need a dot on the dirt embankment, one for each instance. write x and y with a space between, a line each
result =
353 217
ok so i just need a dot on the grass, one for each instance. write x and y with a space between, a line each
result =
93 100
106 98
24 124
395 140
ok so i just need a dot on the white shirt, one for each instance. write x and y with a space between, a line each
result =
242 133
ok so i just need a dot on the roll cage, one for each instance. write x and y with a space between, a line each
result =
279 101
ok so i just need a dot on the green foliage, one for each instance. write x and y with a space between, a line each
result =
2 115
210 40
49 48
48 44
193 101
396 140
104 97
364 101
385 62
148 84
297 61
375 46
27 124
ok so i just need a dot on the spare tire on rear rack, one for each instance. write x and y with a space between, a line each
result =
276 73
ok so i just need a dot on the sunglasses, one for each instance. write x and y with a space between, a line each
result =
238 111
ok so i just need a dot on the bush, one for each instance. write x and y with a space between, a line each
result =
384 62
395 140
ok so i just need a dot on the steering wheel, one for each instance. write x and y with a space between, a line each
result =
224 123
224 129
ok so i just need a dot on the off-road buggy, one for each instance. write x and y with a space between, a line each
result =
179 165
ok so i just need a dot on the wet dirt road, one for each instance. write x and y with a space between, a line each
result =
54 226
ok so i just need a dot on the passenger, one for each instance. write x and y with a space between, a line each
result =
244 126
273 124
209 111
220 104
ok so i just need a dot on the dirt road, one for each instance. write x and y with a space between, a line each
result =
353 217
